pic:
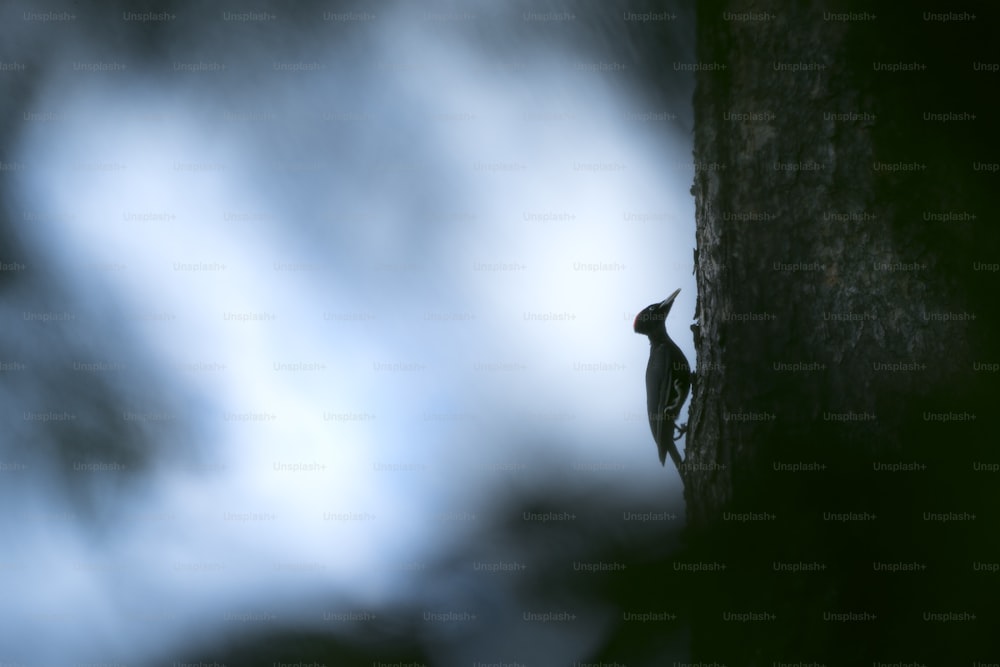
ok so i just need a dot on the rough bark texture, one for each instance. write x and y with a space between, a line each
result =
818 266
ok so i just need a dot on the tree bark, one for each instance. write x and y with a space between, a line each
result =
845 335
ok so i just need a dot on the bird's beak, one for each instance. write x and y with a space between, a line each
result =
670 299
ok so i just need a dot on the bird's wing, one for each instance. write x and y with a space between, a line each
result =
664 420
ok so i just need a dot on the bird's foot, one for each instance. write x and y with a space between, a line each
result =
680 431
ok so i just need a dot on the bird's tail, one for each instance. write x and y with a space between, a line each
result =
671 448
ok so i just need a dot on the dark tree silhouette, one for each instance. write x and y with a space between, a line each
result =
841 423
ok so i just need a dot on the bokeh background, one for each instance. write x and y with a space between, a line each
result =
317 330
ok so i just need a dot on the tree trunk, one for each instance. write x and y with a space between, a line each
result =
845 359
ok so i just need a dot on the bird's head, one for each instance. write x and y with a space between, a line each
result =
650 319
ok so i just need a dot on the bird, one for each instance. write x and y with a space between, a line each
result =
668 379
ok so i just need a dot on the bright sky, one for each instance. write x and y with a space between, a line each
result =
450 251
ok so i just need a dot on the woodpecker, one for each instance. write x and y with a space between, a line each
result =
668 379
